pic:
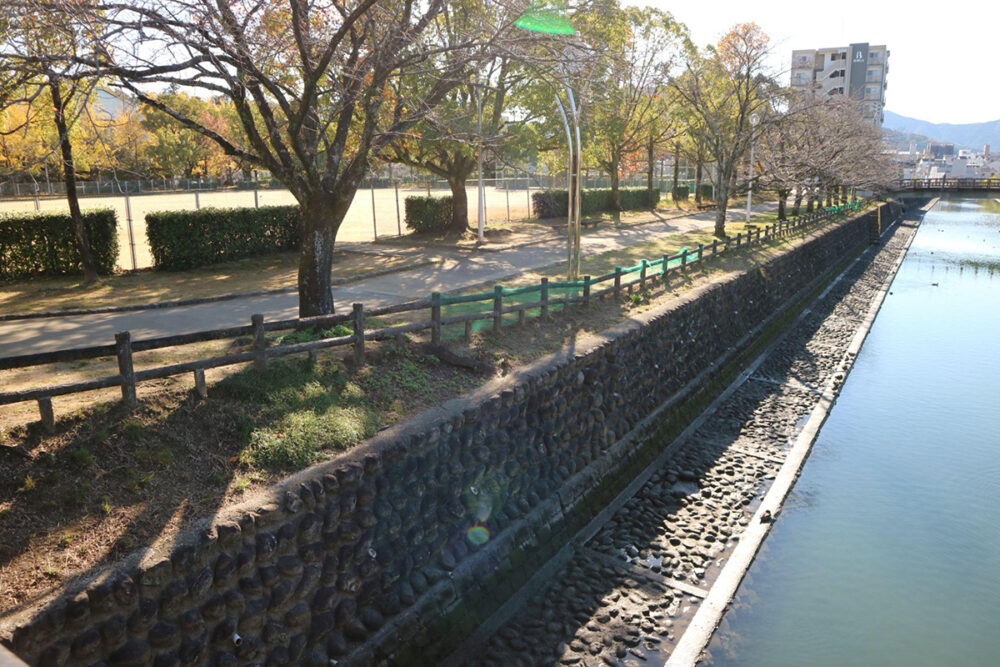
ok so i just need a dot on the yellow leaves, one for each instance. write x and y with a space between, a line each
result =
743 44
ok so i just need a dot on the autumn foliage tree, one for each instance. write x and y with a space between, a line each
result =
43 59
631 102
724 88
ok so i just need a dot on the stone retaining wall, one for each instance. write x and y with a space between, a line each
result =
398 549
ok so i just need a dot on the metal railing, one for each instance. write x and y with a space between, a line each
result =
919 184
612 283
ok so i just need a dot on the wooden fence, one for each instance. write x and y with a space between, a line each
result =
260 353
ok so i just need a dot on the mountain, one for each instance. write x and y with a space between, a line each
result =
902 141
966 135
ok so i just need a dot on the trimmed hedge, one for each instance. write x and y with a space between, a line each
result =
428 214
553 203
186 239
706 191
682 192
43 244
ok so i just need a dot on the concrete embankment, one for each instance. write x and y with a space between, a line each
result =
398 550
666 563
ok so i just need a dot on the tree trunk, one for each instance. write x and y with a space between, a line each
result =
797 205
650 168
697 182
616 197
69 176
319 223
459 205
782 196
677 170
721 204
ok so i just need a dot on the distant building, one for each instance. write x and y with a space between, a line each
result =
939 150
941 160
857 71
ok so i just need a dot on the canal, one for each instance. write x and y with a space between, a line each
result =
888 549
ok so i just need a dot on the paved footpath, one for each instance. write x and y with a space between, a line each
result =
459 269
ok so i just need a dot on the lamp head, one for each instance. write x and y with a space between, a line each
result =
547 17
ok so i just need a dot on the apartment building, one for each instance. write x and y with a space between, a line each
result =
857 71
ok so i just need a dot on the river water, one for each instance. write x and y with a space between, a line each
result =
888 549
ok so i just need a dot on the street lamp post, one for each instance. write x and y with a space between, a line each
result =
754 121
481 210
547 20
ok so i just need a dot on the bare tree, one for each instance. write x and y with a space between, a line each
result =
315 85
821 144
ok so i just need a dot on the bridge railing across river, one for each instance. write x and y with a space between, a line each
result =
443 313
939 184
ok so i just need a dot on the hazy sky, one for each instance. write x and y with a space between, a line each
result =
942 62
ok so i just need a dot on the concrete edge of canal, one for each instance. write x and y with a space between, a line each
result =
690 647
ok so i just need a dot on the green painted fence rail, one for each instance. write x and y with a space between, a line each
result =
507 305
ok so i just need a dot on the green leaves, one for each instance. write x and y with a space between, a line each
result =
186 239
428 214
553 203
44 244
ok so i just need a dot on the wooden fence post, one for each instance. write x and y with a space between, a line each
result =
684 259
701 251
739 239
586 290
436 318
358 317
642 274
715 246
618 280
199 382
259 342
123 350
545 298
45 412
497 307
